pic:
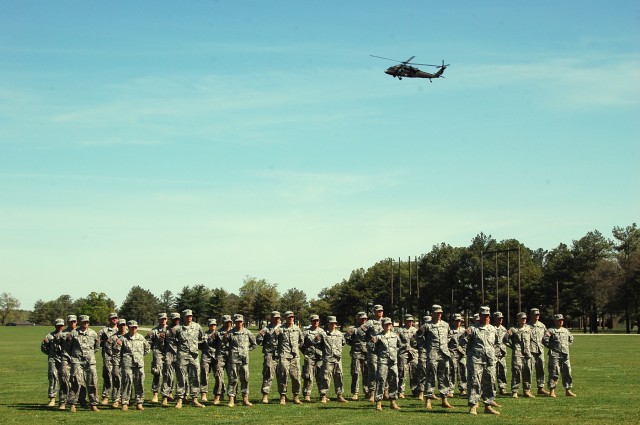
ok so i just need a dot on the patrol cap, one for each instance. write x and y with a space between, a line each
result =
289 313
226 318
362 315
239 318
213 322
187 312
175 316
456 316
84 318
121 322
58 322
113 316
497 315
386 320
132 324
426 318
72 318
408 318
436 308
522 315
485 310
275 313
558 317
331 319
378 307
314 317
476 316
534 311
162 316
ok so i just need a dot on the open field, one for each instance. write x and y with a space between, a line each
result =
606 370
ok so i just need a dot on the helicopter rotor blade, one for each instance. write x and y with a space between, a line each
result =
380 57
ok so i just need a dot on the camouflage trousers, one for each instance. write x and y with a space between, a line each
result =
538 365
501 371
559 365
331 370
53 374
289 368
438 373
116 375
168 373
311 371
458 372
84 376
188 376
207 366
269 366
481 374
64 377
238 372
359 371
422 371
107 379
407 372
372 366
132 379
520 373
220 371
386 376
157 367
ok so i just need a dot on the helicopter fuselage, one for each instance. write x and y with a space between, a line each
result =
412 72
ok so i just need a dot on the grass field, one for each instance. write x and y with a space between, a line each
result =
606 371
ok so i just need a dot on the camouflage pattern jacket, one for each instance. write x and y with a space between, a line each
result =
134 347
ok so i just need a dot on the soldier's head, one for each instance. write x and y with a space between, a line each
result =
436 313
239 321
226 321
122 326
72 320
314 319
456 319
378 311
84 322
558 319
175 318
386 324
275 317
213 324
162 319
522 318
408 320
187 316
113 319
59 324
361 317
498 318
485 315
289 317
535 314
133 327
332 322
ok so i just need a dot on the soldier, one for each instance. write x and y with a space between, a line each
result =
371 328
458 360
356 338
332 343
134 348
501 353
436 335
64 347
188 338
156 341
240 341
222 349
170 355
537 349
481 363
519 339
51 348
423 370
558 340
312 350
208 357
84 343
386 345
269 341
290 340
407 355
104 335
115 346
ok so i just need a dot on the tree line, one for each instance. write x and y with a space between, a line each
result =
590 281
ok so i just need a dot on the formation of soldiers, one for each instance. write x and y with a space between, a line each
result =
389 363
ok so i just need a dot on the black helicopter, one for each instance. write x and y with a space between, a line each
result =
404 70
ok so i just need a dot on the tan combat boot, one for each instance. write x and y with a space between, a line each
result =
283 399
125 407
421 395
473 410
216 400
296 399
245 400
445 403
95 409
394 405
232 401
503 391
385 395
307 398
52 402
463 392
490 410
116 404
354 397
62 406
72 409
341 399
427 403
179 403
139 406
494 404
203 397
323 399
165 402
529 394
265 398
104 401
542 391
196 403
514 395
570 393
552 393
378 405
154 399
401 395
372 396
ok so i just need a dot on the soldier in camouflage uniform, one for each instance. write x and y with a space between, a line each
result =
134 348
84 343
458 360
222 349
356 338
537 348
50 346
170 356
423 370
208 357
386 345
188 338
290 341
501 353
240 341
104 335
372 327
519 339
269 341
407 355
64 347
332 343
312 368
156 341
115 347
481 363
558 340
436 334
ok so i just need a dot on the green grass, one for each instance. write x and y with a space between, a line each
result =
605 368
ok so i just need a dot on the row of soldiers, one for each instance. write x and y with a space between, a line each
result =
384 361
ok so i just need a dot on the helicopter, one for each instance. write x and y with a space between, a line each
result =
404 70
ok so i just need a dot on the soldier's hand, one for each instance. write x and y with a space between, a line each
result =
363 326
161 335
468 330
262 332
547 333
374 339
119 342
277 331
317 338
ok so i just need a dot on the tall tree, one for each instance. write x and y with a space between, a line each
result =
45 312
296 301
167 302
140 305
257 298
627 247
97 306
195 299
8 305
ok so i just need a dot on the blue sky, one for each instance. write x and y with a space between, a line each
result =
162 144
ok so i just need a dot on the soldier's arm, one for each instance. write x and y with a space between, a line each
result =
252 341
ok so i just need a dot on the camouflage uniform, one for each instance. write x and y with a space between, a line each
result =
458 361
407 357
115 341
537 348
312 368
156 341
64 347
240 341
222 350
481 363
356 338
519 339
269 341
84 344
51 347
386 347
436 335
103 335
558 341
170 356
372 328
501 355
134 347
423 370
290 340
208 358
332 343
188 338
